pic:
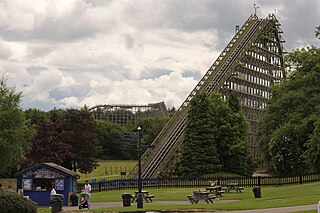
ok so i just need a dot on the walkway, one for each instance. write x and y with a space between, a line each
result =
98 205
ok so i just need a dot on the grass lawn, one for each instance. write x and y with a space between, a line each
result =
109 169
271 197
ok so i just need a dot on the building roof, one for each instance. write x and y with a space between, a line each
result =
53 166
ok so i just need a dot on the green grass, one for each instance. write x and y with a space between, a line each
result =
271 197
111 167
9 182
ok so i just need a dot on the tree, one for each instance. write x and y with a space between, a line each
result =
80 134
35 115
151 127
47 146
110 136
236 154
198 153
290 118
230 132
14 133
318 32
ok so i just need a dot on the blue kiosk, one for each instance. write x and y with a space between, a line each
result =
37 182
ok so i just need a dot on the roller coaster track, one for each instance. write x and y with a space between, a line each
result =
155 161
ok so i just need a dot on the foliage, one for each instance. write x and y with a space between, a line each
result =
151 127
215 138
198 153
318 32
312 154
110 136
14 133
34 115
288 134
80 134
47 144
233 135
16 203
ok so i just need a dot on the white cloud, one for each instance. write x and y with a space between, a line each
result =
71 53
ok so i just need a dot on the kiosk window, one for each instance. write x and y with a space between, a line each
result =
42 184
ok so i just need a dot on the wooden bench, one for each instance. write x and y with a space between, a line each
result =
240 189
194 199
219 193
211 198
149 197
191 198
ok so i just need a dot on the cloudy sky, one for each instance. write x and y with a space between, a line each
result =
71 53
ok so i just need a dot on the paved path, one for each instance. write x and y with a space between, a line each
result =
98 205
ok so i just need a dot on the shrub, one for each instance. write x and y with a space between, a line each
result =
16 203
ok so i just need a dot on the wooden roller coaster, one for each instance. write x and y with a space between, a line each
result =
249 65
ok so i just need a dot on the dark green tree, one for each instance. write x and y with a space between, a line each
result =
80 134
35 115
318 32
151 127
14 133
198 152
312 154
47 144
110 136
290 117
235 134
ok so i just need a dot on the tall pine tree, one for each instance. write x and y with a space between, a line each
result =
198 153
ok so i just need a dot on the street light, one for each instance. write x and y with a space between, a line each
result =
139 198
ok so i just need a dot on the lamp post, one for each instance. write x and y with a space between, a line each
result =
139 198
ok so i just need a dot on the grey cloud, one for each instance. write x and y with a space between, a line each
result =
5 52
110 71
300 20
63 92
43 105
129 42
194 74
74 25
154 73
34 68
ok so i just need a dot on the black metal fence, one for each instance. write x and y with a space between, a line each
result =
261 181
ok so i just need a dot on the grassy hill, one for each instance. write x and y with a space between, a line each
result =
109 170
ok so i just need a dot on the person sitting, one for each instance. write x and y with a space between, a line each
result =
10 190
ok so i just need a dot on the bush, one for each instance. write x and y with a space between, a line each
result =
16 203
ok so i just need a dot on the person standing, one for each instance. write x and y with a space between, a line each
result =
20 191
87 189
2 191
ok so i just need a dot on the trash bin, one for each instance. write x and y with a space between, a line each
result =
256 191
56 202
126 199
74 199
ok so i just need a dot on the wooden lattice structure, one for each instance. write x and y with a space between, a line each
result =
249 65
124 114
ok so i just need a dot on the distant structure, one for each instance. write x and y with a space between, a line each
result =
124 114
249 65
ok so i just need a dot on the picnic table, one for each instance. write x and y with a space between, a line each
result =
145 196
217 190
233 186
201 195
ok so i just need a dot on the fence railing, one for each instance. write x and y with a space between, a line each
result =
261 181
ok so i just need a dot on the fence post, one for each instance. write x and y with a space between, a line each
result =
99 186
300 177
259 181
